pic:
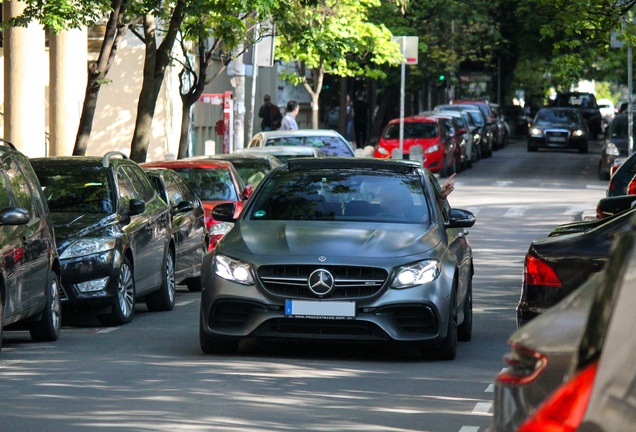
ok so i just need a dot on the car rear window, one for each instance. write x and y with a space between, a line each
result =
210 184
330 145
412 130
341 195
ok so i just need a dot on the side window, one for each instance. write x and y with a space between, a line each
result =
140 181
19 184
174 192
5 197
126 189
188 194
442 203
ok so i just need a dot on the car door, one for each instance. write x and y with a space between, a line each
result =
188 227
35 241
151 230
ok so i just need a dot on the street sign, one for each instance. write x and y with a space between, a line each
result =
408 47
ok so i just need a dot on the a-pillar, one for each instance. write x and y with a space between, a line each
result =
24 83
68 75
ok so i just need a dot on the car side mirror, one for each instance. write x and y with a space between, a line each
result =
136 206
224 212
459 218
14 216
184 206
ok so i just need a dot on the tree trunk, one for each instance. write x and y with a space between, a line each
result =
185 130
97 74
156 61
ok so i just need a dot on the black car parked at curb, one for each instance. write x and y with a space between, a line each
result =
29 268
113 235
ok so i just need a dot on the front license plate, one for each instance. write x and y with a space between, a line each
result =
320 309
557 139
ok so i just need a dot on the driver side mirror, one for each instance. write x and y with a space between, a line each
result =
459 218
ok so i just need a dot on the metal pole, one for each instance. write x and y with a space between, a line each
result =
403 78
250 129
630 120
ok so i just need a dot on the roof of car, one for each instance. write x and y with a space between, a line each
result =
282 150
106 160
394 165
299 132
184 163
416 118
234 156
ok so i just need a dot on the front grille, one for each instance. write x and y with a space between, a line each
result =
350 282
342 329
413 319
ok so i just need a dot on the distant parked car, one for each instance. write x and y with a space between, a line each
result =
606 107
189 234
252 167
437 139
586 104
615 144
621 178
29 268
113 235
214 182
330 142
482 134
558 128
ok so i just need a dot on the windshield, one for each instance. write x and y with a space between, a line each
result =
557 116
210 184
349 195
330 145
412 130
81 191
252 171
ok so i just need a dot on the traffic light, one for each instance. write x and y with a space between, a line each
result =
442 77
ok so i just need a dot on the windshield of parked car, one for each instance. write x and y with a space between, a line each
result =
477 117
210 184
341 195
86 190
252 171
412 130
330 145
557 116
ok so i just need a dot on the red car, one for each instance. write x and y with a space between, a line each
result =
214 182
437 140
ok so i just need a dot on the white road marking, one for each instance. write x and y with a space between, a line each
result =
482 408
516 211
469 429
183 303
501 183
490 389
107 330
596 187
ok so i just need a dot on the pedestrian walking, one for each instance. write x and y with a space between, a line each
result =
360 119
270 114
289 121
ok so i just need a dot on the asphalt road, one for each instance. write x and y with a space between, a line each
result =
151 376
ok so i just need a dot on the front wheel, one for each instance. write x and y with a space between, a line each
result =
163 298
583 148
123 308
465 329
47 328
448 347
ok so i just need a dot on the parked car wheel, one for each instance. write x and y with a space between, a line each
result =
163 298
583 148
47 328
532 148
213 345
448 347
465 330
1 319
123 308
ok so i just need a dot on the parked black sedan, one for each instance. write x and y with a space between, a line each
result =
558 264
189 233
558 128
354 249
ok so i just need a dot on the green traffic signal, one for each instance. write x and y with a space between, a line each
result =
442 77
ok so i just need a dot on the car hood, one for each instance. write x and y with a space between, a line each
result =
69 226
344 239
560 328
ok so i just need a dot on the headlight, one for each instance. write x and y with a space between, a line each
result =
432 149
233 270
383 151
611 149
578 133
476 138
88 246
221 228
536 132
416 274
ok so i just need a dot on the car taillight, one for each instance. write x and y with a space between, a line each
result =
631 187
538 272
523 366
563 411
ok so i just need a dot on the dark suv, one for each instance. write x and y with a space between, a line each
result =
113 235
586 104
29 268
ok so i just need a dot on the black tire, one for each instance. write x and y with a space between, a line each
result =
123 307
602 175
584 148
48 327
448 348
532 148
214 345
163 298
1 320
465 329
194 284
